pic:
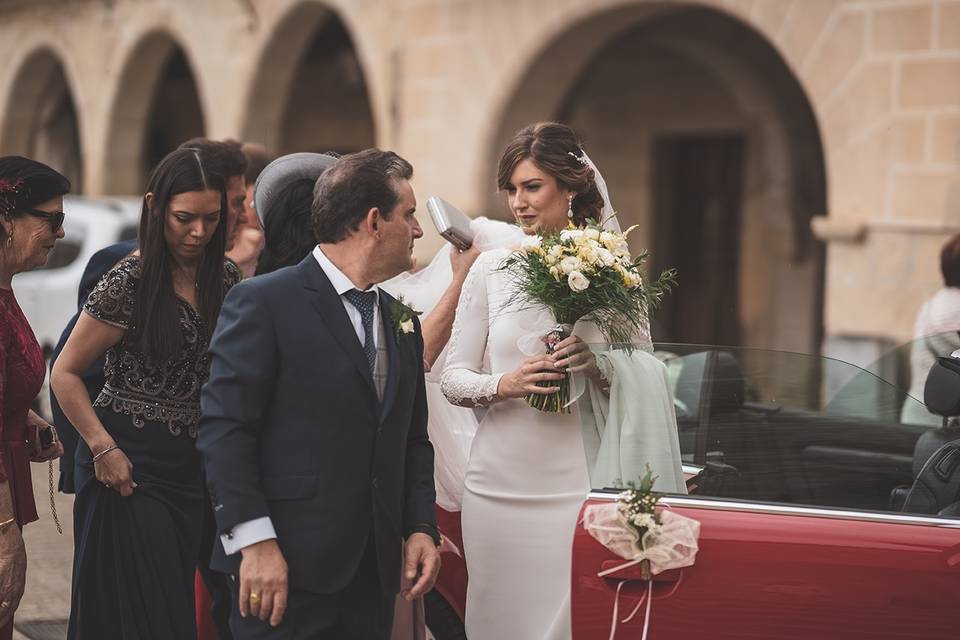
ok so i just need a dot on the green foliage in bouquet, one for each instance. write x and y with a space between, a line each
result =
588 273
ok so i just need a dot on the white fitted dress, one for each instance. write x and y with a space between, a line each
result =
526 475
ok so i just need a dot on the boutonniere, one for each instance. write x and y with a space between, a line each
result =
402 315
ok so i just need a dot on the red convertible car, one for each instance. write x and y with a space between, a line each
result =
811 480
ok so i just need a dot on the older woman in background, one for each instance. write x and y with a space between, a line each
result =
31 222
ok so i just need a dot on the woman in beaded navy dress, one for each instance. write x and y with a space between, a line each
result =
138 509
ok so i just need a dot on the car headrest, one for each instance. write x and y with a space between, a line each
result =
941 392
728 385
727 390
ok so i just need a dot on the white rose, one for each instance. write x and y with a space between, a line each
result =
577 281
530 242
407 326
571 234
606 258
570 264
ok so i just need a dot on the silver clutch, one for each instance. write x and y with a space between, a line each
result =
452 224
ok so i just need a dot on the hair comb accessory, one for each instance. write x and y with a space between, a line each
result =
582 159
8 191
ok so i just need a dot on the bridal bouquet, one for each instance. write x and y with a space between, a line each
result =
585 273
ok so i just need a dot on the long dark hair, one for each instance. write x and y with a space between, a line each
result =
288 230
155 323
555 149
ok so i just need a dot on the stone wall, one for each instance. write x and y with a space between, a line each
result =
447 81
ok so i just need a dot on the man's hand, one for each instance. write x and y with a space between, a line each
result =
263 582
420 558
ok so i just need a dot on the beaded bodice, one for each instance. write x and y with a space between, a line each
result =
166 392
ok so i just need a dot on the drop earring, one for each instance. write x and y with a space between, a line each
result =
570 207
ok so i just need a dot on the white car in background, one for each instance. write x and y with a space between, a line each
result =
48 296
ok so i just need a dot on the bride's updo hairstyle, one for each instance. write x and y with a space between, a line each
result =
555 149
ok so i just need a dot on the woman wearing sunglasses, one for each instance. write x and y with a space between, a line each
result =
31 222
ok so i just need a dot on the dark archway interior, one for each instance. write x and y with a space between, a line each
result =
42 121
174 115
328 107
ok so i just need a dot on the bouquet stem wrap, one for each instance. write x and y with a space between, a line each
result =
675 546
558 401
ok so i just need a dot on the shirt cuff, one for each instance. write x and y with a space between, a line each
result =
246 534
428 529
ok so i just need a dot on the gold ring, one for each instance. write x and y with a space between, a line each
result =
254 598
4 604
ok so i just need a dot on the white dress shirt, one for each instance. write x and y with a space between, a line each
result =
260 529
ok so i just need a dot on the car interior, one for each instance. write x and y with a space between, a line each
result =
768 426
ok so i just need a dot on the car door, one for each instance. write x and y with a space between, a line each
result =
794 467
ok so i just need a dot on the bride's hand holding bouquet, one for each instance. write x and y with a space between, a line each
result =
537 375
583 273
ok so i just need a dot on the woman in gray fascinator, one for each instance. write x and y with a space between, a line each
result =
282 199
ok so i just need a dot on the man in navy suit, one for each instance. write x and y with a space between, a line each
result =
314 423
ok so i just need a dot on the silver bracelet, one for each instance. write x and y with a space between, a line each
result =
6 523
97 457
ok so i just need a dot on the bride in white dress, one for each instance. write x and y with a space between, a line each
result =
527 472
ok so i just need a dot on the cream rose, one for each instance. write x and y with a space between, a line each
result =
570 264
577 281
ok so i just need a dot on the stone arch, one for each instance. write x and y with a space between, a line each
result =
40 120
310 91
156 107
644 83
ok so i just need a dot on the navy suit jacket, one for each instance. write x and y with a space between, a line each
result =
98 265
291 428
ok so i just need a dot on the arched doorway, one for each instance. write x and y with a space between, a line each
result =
174 115
709 144
156 109
41 117
310 93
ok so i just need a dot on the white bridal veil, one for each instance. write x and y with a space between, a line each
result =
451 427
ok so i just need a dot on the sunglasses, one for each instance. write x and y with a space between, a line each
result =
54 218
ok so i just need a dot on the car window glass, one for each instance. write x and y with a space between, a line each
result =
782 427
68 248
907 367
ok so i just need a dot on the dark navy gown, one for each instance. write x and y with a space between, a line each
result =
135 556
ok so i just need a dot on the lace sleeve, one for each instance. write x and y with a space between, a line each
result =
111 301
464 381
